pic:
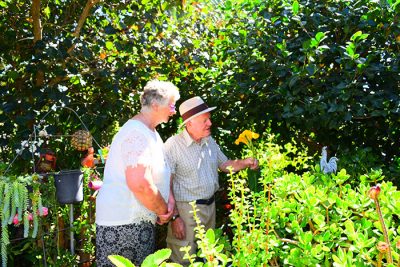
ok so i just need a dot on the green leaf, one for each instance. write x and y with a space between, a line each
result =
120 261
210 235
319 219
350 49
110 45
46 11
295 7
320 36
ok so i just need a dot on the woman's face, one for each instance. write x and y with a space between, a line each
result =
167 111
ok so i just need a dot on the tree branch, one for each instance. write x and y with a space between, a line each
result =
37 33
37 25
84 15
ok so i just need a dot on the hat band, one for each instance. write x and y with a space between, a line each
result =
194 111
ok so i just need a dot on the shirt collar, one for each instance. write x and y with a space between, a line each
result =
189 140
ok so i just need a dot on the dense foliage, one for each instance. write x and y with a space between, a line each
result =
322 72
319 73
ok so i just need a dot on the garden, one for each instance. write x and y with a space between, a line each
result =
296 83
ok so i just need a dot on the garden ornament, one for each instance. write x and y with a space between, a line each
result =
81 140
328 166
192 108
89 161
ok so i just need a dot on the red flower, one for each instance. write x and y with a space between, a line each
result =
228 206
15 219
45 211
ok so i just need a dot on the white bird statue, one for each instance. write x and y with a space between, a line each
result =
328 166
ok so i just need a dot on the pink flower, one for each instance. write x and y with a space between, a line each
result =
45 211
15 219
30 217
95 184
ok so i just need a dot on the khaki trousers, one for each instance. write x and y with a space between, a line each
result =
206 214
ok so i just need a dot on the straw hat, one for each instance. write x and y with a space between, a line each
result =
192 108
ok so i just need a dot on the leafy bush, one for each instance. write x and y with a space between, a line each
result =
309 219
322 72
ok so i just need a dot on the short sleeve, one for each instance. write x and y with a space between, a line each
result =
136 149
169 154
220 155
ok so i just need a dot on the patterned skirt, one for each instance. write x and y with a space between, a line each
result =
133 241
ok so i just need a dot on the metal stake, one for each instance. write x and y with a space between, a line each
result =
71 230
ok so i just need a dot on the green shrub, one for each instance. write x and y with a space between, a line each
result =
311 218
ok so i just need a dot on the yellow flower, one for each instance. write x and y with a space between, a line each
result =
246 136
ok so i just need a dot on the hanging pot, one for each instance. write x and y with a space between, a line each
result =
69 186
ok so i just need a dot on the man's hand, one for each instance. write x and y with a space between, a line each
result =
178 228
252 163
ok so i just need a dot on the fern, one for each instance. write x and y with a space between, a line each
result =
35 224
14 198
6 207
26 224
4 243
35 198
22 193
1 190
40 204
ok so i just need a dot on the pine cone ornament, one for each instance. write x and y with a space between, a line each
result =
81 140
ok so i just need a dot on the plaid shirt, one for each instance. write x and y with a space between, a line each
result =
195 166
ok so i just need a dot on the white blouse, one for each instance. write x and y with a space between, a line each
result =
134 144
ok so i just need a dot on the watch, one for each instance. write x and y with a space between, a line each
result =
174 217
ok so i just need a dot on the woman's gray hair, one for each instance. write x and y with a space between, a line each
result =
158 91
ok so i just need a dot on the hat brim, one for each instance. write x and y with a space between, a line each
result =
198 114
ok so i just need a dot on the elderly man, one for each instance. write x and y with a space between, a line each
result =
195 159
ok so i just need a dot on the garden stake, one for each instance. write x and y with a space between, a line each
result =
374 194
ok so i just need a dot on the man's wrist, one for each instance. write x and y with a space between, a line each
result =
174 217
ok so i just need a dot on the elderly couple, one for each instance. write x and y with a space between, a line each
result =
148 182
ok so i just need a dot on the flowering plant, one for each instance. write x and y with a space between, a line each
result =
246 138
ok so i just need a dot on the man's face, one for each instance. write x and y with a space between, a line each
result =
200 126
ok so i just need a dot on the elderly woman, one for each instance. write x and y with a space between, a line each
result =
136 190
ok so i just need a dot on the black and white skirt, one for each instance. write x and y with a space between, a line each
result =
132 241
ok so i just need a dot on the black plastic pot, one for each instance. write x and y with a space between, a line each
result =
69 186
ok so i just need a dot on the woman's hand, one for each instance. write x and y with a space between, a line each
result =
165 218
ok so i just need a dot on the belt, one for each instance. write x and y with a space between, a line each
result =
205 201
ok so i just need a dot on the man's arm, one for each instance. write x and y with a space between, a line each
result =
236 165
177 224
